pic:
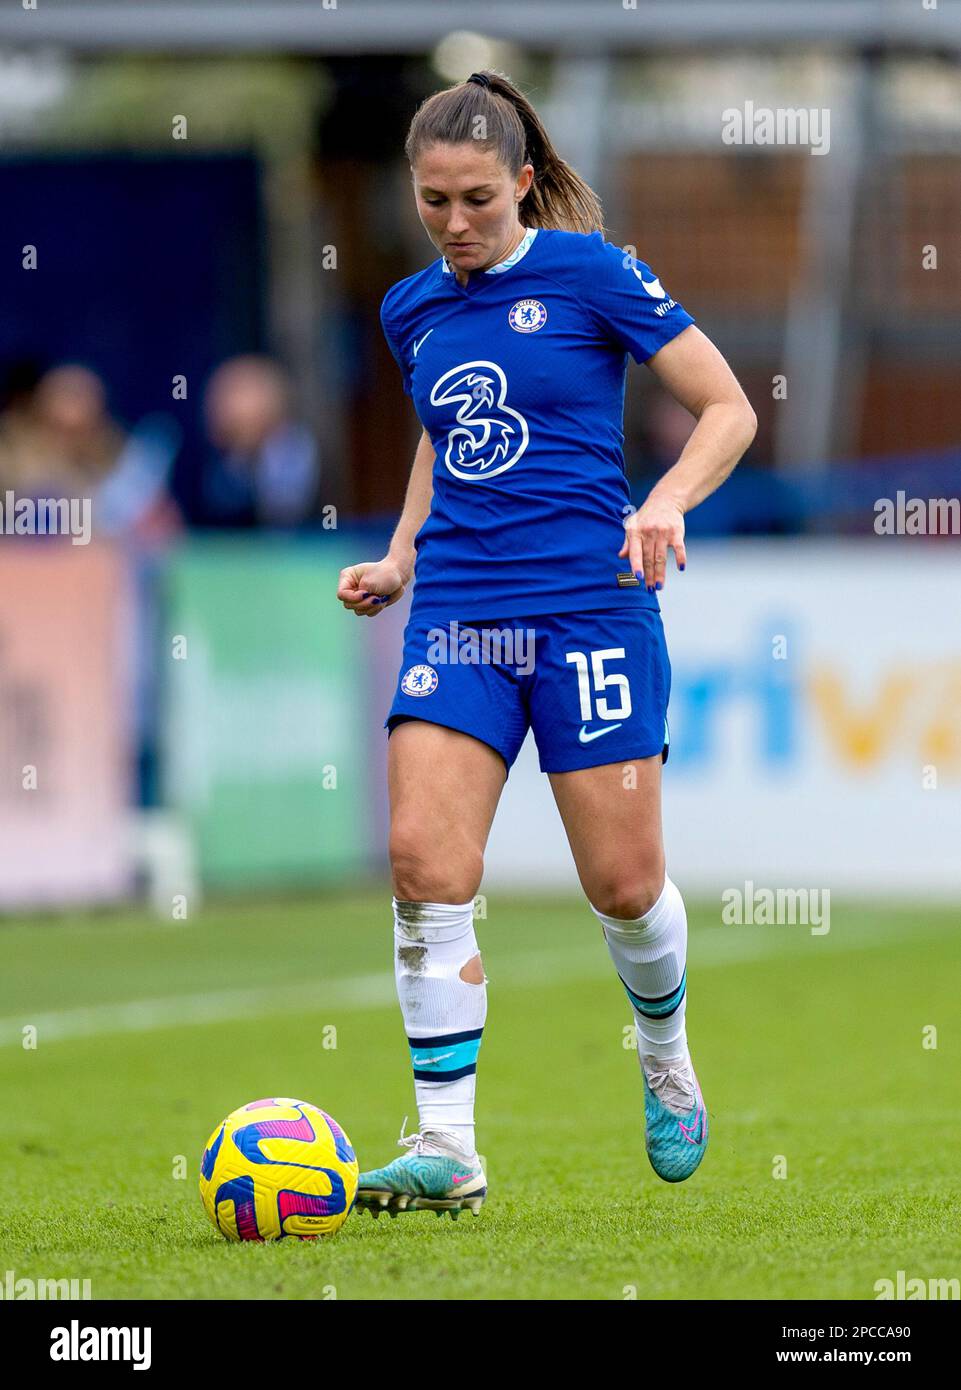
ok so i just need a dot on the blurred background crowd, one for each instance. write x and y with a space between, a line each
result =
260 463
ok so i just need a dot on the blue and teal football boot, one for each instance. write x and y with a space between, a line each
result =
675 1116
435 1176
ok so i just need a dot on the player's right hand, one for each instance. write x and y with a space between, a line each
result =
370 587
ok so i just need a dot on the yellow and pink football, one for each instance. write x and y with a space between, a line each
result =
277 1168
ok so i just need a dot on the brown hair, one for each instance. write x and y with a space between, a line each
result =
558 197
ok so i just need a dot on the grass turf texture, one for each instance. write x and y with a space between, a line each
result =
807 1047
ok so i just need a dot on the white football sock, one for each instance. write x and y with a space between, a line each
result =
443 1014
650 956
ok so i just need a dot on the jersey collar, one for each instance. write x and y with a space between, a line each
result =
519 251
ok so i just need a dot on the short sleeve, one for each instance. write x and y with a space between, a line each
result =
629 301
389 326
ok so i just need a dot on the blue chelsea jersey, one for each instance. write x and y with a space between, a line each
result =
518 379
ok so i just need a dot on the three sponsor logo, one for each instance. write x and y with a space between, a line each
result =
488 435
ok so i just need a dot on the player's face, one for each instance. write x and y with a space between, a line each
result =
468 203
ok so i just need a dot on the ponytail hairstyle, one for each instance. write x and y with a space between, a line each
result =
558 197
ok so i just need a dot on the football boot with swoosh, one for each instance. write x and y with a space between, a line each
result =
436 1175
675 1116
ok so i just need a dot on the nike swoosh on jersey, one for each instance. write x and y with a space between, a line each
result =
653 287
422 340
586 737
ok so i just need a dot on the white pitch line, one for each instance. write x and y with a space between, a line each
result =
146 1015
714 948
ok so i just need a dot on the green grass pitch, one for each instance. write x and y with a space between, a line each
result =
807 1047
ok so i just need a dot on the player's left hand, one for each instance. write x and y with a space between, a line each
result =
649 534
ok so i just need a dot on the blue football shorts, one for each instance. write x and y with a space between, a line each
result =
594 687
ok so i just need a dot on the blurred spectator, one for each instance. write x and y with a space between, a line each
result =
266 470
59 440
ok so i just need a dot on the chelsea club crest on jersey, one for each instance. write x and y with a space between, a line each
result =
419 680
527 316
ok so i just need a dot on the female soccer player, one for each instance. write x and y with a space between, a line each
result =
513 346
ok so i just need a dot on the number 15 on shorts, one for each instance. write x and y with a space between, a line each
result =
592 700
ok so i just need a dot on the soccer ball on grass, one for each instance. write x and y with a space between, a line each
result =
276 1168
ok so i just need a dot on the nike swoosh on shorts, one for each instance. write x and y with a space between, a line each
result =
586 737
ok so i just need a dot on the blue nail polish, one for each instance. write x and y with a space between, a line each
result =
658 585
681 567
638 574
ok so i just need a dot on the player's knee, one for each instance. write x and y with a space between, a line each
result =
626 904
422 875
628 898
